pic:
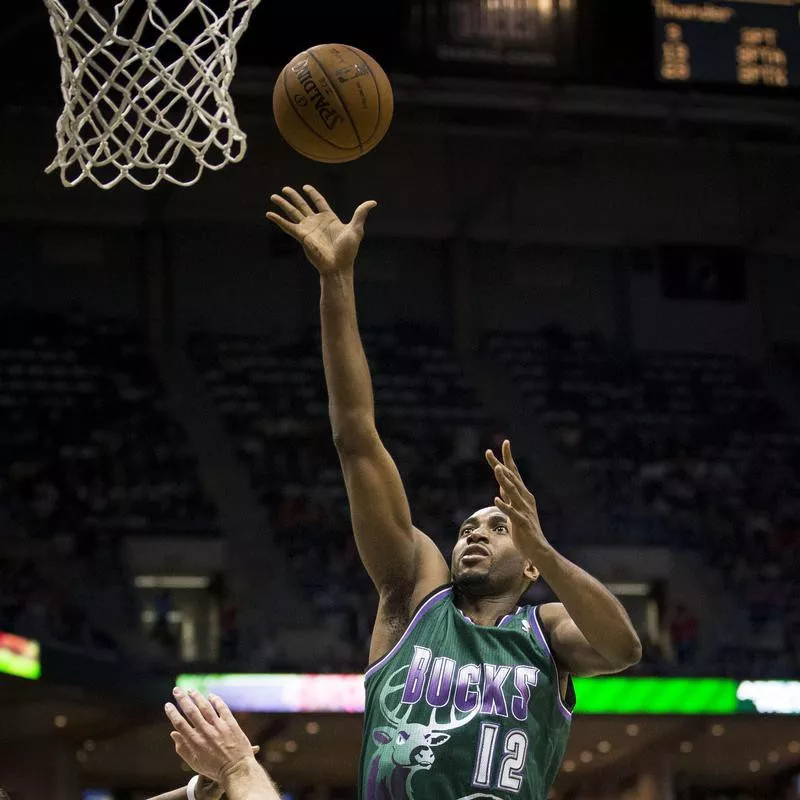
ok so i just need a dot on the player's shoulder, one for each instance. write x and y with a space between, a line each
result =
552 612
550 615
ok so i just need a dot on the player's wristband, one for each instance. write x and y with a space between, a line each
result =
191 786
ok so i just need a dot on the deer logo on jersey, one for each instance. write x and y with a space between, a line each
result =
406 747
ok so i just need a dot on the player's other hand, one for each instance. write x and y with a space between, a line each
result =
518 502
329 244
208 738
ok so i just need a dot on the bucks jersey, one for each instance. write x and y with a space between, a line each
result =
458 711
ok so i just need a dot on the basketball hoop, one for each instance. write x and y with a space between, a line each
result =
146 93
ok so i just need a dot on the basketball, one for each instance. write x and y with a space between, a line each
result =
333 103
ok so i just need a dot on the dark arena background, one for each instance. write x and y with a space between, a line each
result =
587 240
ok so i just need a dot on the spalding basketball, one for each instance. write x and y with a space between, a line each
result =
333 103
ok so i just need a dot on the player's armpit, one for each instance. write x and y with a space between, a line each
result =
392 551
570 647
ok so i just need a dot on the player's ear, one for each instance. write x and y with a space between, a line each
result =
530 572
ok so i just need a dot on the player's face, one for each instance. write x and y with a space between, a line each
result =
485 557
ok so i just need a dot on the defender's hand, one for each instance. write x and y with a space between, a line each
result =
329 244
208 738
208 789
518 502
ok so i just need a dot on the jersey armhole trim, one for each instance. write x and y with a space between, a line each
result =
424 606
538 629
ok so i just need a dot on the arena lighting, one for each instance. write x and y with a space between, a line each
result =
172 581
278 693
20 657
771 697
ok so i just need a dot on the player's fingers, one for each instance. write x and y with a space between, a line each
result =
190 710
492 459
298 200
222 709
512 476
506 508
181 743
177 719
317 199
494 463
182 747
291 212
205 708
508 459
360 215
506 480
283 224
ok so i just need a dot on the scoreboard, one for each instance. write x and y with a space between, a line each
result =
733 42
721 45
526 38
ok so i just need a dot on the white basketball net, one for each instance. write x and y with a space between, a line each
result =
146 94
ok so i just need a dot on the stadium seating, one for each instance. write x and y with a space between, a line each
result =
679 448
88 439
273 398
88 453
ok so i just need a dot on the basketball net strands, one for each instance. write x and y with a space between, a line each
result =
146 91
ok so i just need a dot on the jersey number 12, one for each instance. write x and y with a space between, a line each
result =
515 747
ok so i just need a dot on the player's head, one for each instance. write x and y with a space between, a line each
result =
485 559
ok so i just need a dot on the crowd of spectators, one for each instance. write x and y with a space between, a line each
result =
88 452
681 449
88 439
677 448
274 401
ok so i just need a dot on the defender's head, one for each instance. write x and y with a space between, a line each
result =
485 559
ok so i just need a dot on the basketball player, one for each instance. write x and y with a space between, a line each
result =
210 741
468 694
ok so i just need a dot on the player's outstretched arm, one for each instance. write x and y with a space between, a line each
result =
398 558
590 631
209 739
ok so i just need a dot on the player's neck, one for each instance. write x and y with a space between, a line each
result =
484 610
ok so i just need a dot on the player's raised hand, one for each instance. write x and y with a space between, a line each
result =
329 244
207 736
518 502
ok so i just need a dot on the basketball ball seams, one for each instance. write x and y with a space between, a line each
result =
325 106
341 99
377 90
306 123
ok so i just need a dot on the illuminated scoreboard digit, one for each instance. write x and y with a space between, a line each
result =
744 42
